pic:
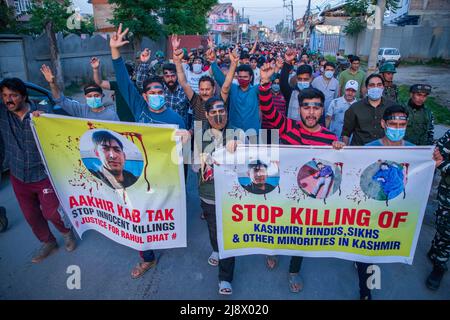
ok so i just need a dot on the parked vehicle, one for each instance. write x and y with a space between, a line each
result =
391 55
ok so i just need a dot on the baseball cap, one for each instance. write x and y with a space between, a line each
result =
425 88
352 84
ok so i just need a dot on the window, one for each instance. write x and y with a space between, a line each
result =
391 52
22 6
380 52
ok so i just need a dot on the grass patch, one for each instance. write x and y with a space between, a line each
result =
434 62
441 113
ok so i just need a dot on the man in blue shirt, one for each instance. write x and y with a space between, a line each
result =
244 102
150 107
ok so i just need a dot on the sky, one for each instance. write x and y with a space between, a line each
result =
270 12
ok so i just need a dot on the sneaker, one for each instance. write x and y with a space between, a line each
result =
69 241
435 277
44 251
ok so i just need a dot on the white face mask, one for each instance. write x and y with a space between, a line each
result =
197 68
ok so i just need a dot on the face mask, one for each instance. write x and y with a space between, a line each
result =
328 74
94 102
219 121
243 83
276 87
375 93
303 85
197 68
395 134
321 69
156 101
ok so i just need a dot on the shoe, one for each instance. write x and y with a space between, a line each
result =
213 259
44 251
142 268
3 220
69 241
434 279
271 262
431 254
225 288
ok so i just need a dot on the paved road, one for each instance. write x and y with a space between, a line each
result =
437 77
184 273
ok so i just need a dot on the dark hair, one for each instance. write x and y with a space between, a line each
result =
207 78
93 85
253 58
210 102
395 108
151 80
329 64
353 58
305 68
169 67
15 84
310 93
244 55
245 68
103 136
374 75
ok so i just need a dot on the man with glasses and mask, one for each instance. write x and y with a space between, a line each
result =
362 121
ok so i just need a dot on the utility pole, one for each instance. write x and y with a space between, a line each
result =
376 37
293 21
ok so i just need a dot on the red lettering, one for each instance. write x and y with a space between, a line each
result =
237 214
399 218
385 219
73 202
295 215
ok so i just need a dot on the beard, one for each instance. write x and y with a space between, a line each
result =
172 85
305 122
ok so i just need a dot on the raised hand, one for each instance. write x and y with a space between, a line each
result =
234 58
175 42
117 39
48 74
95 63
178 55
145 55
210 43
211 55
266 72
290 55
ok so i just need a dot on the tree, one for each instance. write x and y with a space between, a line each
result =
359 12
279 27
141 17
186 17
51 16
7 18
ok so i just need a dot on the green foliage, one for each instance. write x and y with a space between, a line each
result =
46 11
178 16
186 17
141 17
7 18
357 10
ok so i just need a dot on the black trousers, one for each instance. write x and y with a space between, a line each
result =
226 266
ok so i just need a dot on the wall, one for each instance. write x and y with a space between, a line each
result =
414 42
75 55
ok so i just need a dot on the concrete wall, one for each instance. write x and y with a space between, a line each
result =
414 42
75 55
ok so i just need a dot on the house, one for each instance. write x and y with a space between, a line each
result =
103 11
223 23
21 9
431 13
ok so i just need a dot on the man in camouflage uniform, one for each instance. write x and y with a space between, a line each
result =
420 129
440 246
387 71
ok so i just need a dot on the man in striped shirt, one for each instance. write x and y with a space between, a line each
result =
307 131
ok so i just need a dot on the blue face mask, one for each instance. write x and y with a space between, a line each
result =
375 93
276 87
395 134
303 85
156 101
329 74
94 102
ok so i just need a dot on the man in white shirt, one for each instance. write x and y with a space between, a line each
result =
336 110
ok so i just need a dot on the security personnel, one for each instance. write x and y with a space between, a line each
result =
387 71
440 246
420 129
